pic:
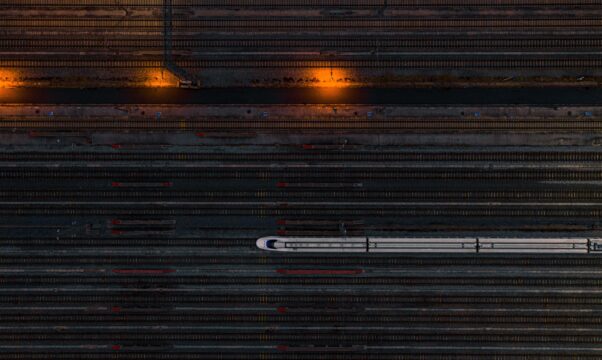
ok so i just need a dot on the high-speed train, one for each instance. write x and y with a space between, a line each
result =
431 245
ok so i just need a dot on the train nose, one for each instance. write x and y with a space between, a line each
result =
266 243
261 243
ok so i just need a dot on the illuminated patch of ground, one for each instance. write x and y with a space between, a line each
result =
9 79
330 77
157 78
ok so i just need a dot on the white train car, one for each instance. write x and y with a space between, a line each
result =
273 243
419 245
431 245
533 245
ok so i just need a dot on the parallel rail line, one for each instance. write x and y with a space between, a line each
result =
380 63
324 301
346 338
300 319
307 3
290 24
101 244
301 155
340 123
295 195
275 175
578 42
579 261
174 281
291 210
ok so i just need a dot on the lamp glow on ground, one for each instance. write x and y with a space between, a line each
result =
160 78
9 79
330 77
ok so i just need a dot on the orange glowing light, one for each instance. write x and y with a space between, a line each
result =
330 77
158 78
9 79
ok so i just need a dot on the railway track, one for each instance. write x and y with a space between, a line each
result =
305 24
95 303
557 44
147 251
282 175
534 37
240 320
332 262
299 195
38 124
320 210
223 312
499 63
353 302
347 338
310 3
538 42
297 154
340 352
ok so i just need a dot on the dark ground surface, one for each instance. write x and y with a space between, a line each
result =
475 96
